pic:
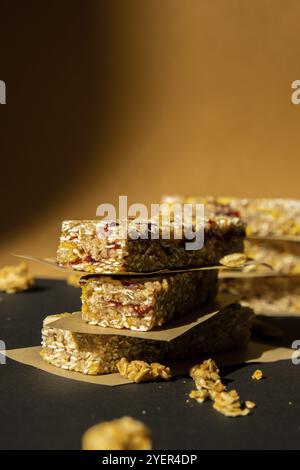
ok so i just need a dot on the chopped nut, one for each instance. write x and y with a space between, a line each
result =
140 371
235 260
119 434
15 278
257 375
250 404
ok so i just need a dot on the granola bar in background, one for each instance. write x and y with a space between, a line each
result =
144 303
266 295
282 256
265 217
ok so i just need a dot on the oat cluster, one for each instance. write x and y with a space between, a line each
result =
209 386
15 278
141 371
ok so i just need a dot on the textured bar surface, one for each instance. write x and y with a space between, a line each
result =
99 354
144 303
81 248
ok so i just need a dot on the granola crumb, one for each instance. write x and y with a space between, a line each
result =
141 371
209 386
199 395
257 375
15 278
250 404
119 434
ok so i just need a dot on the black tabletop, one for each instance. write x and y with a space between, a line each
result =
43 411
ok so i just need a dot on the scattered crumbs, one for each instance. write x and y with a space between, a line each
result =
144 412
257 375
184 381
209 386
158 408
290 402
187 401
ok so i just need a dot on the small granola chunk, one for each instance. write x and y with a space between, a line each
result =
206 375
119 434
209 385
15 278
257 375
140 371
199 395
228 403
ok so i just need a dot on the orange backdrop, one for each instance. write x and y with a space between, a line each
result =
141 98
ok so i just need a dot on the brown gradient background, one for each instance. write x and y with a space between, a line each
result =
141 97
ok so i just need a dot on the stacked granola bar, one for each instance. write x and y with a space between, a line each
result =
273 238
141 284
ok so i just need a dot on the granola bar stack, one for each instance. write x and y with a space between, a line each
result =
273 238
141 284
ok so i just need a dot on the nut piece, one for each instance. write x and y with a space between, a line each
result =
140 371
209 385
119 434
235 260
250 404
257 375
15 278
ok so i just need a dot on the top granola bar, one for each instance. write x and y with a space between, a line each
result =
82 249
264 217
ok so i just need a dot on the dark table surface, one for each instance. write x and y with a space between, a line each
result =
43 411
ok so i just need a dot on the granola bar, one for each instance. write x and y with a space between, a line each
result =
81 248
99 354
266 295
264 217
144 303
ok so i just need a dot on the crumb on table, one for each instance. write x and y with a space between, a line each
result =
15 278
257 375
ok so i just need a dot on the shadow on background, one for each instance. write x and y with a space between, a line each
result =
60 63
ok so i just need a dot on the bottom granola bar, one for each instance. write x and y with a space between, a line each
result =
99 354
